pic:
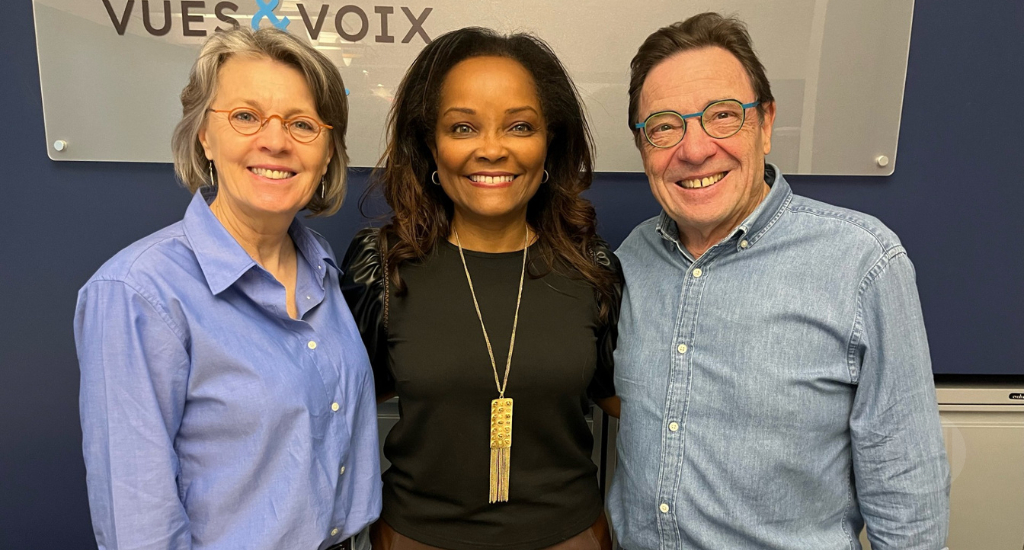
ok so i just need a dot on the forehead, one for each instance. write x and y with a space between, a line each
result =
262 80
489 77
687 81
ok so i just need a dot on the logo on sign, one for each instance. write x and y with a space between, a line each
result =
351 21
1017 396
266 10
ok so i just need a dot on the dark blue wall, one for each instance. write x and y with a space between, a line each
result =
956 200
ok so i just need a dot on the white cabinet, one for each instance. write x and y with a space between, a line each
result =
983 426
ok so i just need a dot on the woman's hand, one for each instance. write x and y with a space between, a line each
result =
610 405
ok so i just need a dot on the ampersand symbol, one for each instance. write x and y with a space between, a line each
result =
266 11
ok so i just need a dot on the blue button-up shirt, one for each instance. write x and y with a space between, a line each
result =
776 391
210 418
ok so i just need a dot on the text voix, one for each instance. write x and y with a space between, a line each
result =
159 22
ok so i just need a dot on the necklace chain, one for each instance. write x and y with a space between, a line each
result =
515 321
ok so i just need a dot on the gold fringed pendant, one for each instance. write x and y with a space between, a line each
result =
501 448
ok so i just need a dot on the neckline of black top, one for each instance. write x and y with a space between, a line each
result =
479 254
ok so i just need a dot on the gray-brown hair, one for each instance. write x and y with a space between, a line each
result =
705 30
322 77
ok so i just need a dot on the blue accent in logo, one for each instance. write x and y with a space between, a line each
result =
266 11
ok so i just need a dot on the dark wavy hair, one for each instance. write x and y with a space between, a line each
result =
564 221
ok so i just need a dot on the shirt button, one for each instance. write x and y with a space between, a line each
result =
308 298
663 508
681 348
697 272
335 407
744 244
673 427
341 471
334 531
311 345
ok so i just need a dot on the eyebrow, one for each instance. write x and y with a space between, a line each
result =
706 105
468 111
287 114
464 110
515 110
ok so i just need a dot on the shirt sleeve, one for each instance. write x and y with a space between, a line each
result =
134 371
363 283
603 383
899 459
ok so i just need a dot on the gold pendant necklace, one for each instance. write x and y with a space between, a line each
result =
501 408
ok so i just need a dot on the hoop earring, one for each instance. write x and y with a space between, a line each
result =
546 177
213 182
323 187
434 178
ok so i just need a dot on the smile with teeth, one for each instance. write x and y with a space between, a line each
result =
490 180
701 182
271 174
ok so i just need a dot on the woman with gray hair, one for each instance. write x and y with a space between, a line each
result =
226 398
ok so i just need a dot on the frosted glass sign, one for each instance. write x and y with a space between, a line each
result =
111 70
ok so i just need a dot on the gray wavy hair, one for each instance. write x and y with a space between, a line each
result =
322 77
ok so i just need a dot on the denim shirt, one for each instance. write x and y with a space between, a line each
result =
776 391
210 418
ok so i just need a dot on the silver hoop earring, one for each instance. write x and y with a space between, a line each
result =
323 186
213 182
434 178
546 177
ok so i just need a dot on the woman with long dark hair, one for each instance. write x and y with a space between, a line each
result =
488 303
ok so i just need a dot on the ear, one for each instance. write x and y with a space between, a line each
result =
644 151
767 123
204 141
330 157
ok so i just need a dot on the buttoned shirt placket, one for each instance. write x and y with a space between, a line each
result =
695 276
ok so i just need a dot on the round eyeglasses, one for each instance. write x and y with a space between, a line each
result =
248 121
720 119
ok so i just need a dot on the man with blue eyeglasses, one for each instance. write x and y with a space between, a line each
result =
772 360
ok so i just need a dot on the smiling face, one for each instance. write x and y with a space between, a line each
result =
490 141
267 175
708 186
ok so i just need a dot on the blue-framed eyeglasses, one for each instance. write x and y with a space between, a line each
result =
720 119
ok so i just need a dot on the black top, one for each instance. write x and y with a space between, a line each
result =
434 356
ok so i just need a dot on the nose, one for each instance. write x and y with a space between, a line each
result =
273 137
491 147
697 146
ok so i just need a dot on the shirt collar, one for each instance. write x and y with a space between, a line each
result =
770 209
311 250
222 260
669 231
751 229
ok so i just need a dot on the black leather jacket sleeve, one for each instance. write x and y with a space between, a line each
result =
603 383
362 283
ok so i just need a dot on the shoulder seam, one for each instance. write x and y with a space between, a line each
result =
867 280
164 316
137 256
854 221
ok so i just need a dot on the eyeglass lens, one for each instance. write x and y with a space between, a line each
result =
248 122
720 120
